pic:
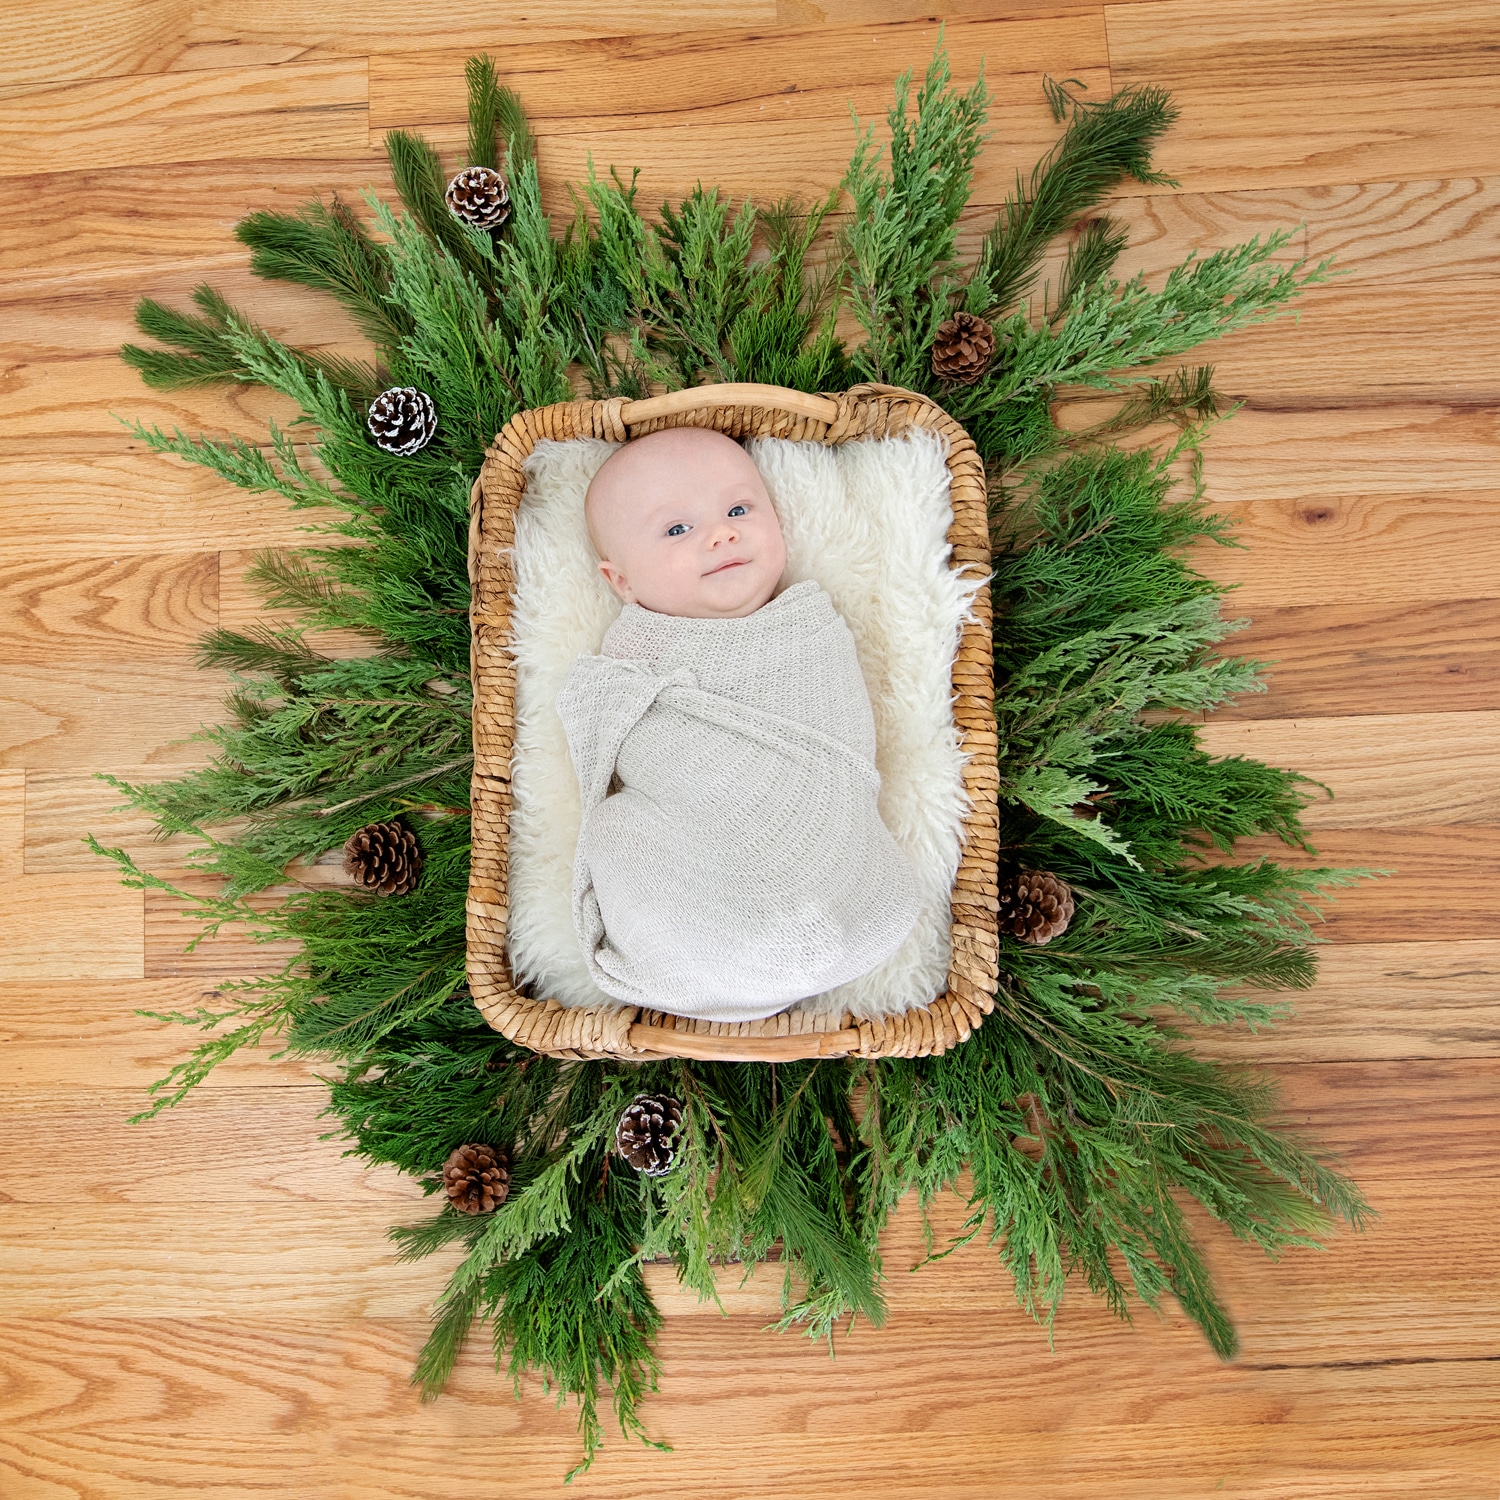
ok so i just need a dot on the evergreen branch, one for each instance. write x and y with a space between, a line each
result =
495 112
1103 144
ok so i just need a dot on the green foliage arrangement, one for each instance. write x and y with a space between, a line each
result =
1083 1121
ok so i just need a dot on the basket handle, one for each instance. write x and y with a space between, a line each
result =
820 408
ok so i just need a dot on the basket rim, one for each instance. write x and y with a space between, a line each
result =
624 1031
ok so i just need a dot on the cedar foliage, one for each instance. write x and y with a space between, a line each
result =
1084 1121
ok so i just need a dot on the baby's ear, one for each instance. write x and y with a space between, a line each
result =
617 581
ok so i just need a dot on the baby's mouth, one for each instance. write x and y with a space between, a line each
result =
738 562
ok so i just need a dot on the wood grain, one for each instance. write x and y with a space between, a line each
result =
107 609
1380 1001
82 1033
1384 770
1442 883
129 502
315 109
64 807
1409 80
76 926
1332 548
317 1399
1396 235
12 823
116 37
1331 660
85 718
748 79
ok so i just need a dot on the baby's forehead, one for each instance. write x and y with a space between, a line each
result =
640 473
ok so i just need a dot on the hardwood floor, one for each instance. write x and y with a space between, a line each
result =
207 1304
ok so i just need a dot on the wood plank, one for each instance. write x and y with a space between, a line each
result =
181 1157
76 1034
92 718
91 610
332 1399
1353 345
1330 660
118 37
68 387
1253 81
1300 451
64 807
315 109
1385 770
129 502
1378 1001
752 79
1187 44
77 926
1396 235
1444 885
1350 1302
12 823
1335 548
134 234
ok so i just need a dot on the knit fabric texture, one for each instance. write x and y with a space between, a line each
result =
732 858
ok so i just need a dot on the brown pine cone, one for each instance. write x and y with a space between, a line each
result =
962 349
1035 907
384 857
402 420
479 197
648 1133
476 1178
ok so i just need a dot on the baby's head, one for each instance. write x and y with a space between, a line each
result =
683 525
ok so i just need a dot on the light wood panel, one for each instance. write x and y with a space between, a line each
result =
90 610
321 1400
299 109
1254 78
116 37
1380 1000
1329 660
1442 883
127 502
1385 770
84 926
87 718
1332 547
74 1033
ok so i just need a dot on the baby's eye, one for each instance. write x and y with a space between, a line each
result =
678 530
737 510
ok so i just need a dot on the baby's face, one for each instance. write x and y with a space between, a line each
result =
684 526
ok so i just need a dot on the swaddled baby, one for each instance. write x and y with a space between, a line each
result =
731 858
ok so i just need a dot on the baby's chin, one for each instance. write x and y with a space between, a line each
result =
729 599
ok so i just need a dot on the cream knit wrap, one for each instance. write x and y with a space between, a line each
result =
731 858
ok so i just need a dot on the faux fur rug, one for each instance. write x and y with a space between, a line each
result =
867 520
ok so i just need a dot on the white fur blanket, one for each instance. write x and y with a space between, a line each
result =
741 863
868 521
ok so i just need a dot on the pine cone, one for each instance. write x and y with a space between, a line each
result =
479 197
1035 907
648 1132
402 420
962 349
477 1178
384 857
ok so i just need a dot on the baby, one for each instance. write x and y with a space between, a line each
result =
731 858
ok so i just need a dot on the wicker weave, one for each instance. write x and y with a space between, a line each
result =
742 411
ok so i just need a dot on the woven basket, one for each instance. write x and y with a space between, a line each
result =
742 411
